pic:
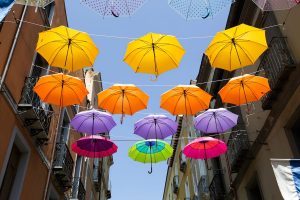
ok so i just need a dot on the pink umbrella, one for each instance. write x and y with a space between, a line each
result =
94 146
204 147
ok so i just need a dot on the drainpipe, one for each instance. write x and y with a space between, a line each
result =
12 48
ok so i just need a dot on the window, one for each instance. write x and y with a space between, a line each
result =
14 167
65 128
49 10
40 66
10 174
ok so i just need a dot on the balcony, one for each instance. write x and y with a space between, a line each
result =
78 190
108 194
175 184
63 166
277 64
238 147
216 187
35 115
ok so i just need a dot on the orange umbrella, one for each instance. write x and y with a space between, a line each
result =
244 89
123 99
185 100
60 89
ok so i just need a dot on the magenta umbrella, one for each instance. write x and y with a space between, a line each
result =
93 122
94 146
215 121
155 127
204 148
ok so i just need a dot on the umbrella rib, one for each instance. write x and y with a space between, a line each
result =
212 116
231 88
245 52
74 91
139 49
258 84
225 46
187 13
131 112
177 104
84 52
116 104
169 44
129 93
100 119
128 10
154 57
105 8
138 67
55 87
60 48
108 97
167 55
59 41
252 92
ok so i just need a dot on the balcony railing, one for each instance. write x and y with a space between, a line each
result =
216 187
277 64
175 184
78 190
35 115
63 166
238 147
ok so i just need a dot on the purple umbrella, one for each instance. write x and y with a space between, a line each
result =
215 121
93 122
155 127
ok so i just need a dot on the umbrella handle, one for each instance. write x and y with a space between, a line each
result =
122 119
150 172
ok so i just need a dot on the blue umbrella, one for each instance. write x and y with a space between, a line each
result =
5 6
196 9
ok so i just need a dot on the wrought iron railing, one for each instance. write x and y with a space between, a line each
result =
277 64
63 165
238 146
175 184
216 187
78 190
31 101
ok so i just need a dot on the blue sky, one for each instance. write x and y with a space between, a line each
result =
130 179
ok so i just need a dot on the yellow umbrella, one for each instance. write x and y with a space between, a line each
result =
67 48
123 99
154 54
236 47
244 89
185 100
60 89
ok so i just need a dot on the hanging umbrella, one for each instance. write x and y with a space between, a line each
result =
93 122
150 151
236 47
204 148
197 9
114 8
67 48
154 54
185 100
124 99
36 3
5 7
215 121
94 146
155 127
272 5
60 89
244 89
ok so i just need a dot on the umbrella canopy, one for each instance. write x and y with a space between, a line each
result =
37 3
244 89
215 121
94 146
204 148
60 89
271 5
236 47
150 151
191 9
114 8
154 54
67 48
93 122
123 99
185 100
155 127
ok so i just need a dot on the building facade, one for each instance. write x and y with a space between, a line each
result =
271 128
35 156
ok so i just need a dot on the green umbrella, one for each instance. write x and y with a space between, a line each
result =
150 151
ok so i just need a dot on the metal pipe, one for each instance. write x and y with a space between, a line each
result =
12 48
